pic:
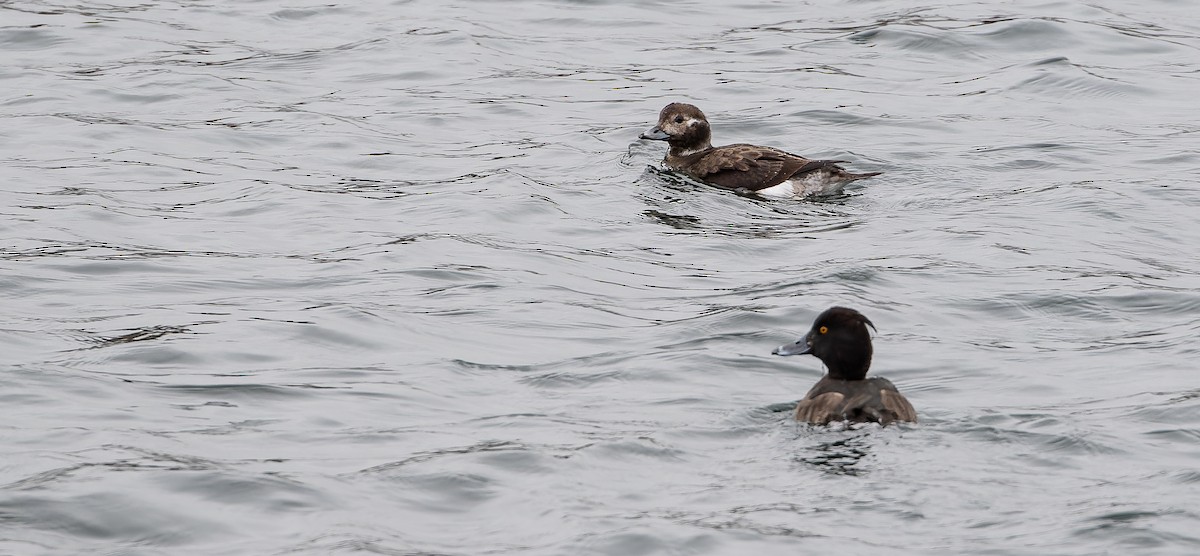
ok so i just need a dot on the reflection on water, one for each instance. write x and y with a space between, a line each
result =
838 457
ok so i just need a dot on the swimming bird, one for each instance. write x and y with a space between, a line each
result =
839 338
744 168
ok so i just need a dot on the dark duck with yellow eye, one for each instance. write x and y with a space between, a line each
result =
751 169
839 338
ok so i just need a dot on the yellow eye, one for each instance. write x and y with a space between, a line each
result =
823 329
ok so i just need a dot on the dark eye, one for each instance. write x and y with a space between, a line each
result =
678 119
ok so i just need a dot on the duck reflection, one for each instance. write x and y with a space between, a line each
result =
677 221
838 457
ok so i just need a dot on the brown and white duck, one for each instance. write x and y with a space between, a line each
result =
744 168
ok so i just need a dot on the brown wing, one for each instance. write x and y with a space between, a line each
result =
873 400
820 409
896 403
751 167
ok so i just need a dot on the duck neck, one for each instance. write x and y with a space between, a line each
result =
849 365
682 151
696 140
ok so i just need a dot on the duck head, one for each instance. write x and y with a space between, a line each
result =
839 338
683 127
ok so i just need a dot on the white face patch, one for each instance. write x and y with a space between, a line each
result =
688 123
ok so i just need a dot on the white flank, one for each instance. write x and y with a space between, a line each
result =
785 190
813 184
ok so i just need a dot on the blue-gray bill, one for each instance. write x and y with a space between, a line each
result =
800 347
656 134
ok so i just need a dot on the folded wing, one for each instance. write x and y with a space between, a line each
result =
873 400
753 167
821 409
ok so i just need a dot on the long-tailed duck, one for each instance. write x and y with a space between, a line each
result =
745 168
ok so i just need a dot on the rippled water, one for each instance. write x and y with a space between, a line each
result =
398 278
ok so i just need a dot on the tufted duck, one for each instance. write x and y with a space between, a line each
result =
839 338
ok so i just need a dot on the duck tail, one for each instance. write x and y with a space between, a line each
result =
832 166
850 176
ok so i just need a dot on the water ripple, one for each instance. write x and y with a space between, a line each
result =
400 278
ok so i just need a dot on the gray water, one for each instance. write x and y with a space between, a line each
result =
399 278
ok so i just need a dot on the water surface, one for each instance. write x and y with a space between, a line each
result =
398 278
